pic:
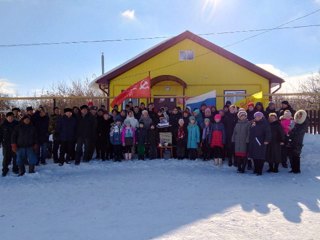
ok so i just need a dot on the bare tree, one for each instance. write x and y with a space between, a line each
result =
311 86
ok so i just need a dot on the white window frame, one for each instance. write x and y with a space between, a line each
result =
186 55
233 99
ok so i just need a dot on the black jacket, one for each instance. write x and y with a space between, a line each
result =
259 133
87 127
24 135
274 147
153 137
103 128
6 130
42 127
66 128
296 136
230 120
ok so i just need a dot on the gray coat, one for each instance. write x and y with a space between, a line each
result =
240 136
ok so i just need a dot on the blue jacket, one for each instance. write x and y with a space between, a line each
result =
193 136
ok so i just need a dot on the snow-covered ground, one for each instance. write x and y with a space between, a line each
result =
162 199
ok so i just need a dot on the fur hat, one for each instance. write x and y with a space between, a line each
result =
274 115
242 113
258 114
300 116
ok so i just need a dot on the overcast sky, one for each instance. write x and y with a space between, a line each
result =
23 70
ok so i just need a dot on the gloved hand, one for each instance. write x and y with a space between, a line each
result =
14 148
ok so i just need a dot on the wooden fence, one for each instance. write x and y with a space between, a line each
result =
314 117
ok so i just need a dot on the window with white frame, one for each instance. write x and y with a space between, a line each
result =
233 99
186 55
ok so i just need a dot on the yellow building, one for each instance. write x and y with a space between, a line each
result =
186 66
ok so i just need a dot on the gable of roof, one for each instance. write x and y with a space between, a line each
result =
105 78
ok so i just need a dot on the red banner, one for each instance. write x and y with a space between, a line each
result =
141 89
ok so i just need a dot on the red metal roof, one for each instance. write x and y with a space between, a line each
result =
105 78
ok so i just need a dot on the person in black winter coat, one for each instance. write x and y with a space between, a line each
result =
86 134
251 111
6 130
296 136
259 138
66 128
141 136
24 144
230 120
286 106
173 122
274 147
271 109
153 141
104 127
98 143
41 123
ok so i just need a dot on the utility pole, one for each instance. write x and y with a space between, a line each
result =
102 63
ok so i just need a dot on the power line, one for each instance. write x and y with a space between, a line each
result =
271 29
262 30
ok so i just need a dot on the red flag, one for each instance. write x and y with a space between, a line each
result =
140 89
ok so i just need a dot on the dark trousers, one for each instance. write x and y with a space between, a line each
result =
66 151
193 153
8 157
55 149
206 151
181 150
117 152
258 166
99 146
242 162
88 149
274 167
153 151
284 155
105 150
42 152
295 163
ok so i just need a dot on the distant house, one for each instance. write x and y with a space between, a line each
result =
188 65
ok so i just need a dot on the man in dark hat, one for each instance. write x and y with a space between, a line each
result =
6 130
66 129
86 135
286 106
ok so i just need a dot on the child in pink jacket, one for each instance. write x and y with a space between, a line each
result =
128 139
287 124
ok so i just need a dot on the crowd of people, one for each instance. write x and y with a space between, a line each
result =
244 138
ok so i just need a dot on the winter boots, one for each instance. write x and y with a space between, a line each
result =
22 170
31 169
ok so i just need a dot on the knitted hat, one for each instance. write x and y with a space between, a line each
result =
271 104
16 109
242 113
258 114
250 104
197 111
217 117
207 110
285 102
287 114
192 118
127 121
206 120
29 109
259 104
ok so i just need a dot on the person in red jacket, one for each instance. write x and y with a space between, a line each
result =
218 140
